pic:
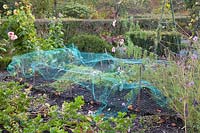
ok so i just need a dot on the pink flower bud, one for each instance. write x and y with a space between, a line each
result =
190 84
195 38
114 23
194 57
121 42
113 49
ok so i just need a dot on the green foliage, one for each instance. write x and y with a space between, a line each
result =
4 62
21 22
14 115
76 10
54 38
194 8
68 118
42 8
136 52
180 82
60 119
90 43
3 44
14 104
127 7
147 40
84 76
121 123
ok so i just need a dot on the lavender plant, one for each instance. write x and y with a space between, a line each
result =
180 82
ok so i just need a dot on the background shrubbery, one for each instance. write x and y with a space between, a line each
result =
90 43
76 10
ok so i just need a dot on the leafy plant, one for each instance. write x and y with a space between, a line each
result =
14 115
179 81
121 123
54 38
90 43
193 6
76 10
55 35
4 62
2 47
147 40
68 118
42 9
14 106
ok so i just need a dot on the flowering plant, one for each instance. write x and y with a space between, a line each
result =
20 20
179 80
12 36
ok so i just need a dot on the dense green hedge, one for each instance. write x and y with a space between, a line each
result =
90 43
147 40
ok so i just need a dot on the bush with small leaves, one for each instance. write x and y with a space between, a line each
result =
90 43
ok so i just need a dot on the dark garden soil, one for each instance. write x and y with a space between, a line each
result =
151 118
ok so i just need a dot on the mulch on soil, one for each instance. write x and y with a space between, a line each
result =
151 118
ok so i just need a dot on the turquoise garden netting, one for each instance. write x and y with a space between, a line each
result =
112 81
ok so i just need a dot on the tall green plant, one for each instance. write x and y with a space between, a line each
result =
56 35
54 38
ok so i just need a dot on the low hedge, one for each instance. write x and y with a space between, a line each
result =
147 40
73 27
90 43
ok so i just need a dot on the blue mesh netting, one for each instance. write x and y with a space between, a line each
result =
106 77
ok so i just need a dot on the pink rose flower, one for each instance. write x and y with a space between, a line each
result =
10 34
14 37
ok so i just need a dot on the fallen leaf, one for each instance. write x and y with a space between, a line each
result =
57 93
130 107
89 131
137 110
161 121
91 102
102 115
89 119
20 80
173 124
158 110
